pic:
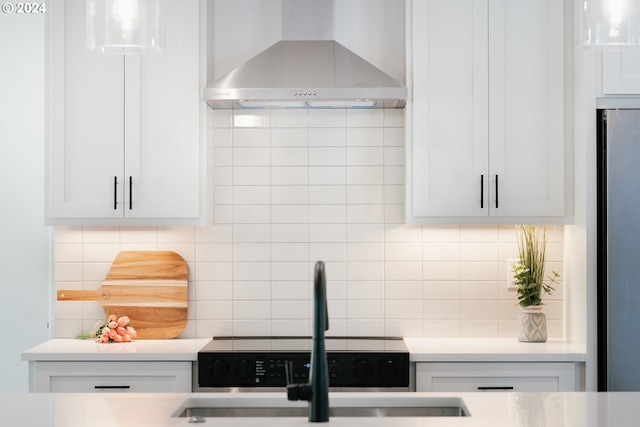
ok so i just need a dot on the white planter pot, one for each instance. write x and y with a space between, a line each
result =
533 325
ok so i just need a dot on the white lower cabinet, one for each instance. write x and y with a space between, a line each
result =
496 376
101 377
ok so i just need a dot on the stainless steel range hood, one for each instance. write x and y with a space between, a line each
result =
306 74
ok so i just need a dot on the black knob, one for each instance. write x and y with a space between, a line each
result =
219 368
244 369
362 369
388 369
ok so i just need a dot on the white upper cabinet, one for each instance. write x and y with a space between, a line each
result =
485 123
125 131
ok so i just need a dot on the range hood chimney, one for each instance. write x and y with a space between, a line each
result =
302 73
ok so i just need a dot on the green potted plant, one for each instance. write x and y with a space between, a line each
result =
528 275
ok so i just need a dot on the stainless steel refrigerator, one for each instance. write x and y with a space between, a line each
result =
619 249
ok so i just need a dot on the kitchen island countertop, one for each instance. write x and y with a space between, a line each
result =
157 409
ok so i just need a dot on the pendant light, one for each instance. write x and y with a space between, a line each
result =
611 23
125 26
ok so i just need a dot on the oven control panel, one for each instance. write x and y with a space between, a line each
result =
346 369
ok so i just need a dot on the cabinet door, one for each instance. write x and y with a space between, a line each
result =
85 119
448 112
526 107
162 130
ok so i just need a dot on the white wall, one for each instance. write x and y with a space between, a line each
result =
24 240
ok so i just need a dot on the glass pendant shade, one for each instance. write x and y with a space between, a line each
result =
611 23
125 26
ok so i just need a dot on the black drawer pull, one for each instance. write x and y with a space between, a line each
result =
481 191
115 192
496 191
496 388
109 387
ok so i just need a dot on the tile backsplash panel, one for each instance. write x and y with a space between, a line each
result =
290 187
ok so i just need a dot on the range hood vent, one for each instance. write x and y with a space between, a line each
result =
306 74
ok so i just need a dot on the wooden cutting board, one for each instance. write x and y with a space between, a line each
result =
150 287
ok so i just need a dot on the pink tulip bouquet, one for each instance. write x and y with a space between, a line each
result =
114 329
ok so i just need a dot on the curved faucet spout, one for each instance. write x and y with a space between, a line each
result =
316 391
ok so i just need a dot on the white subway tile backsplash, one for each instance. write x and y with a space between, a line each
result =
403 270
252 289
289 195
327 175
327 156
289 156
251 175
365 175
365 194
251 138
251 214
327 194
365 214
251 271
365 309
328 251
251 156
327 214
250 252
365 290
289 271
365 137
289 118
365 156
250 195
289 137
394 117
290 290
289 214
365 251
248 233
290 188
395 309
365 233
365 118
362 270
251 119
290 233
327 138
394 137
289 175
328 118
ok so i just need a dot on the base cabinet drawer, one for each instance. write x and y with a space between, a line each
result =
494 376
104 377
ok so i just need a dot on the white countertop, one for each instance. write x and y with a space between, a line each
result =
420 349
90 350
156 409
492 350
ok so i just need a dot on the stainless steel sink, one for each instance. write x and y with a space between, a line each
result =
342 405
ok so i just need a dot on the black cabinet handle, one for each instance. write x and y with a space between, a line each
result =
115 192
496 191
481 191
111 387
496 388
130 193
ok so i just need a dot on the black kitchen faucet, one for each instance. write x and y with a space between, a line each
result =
316 391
